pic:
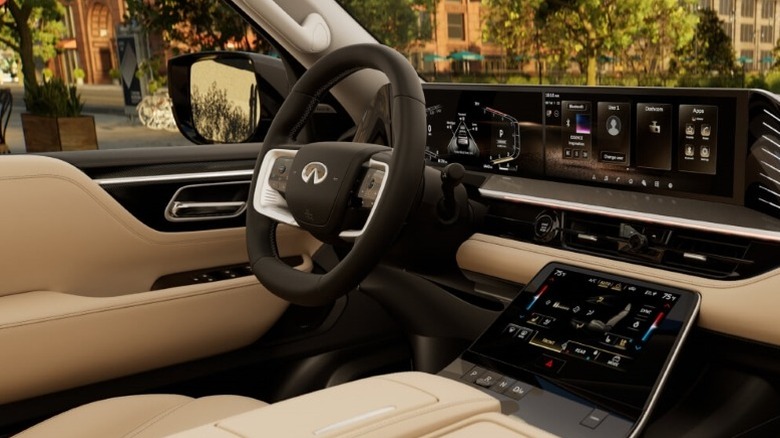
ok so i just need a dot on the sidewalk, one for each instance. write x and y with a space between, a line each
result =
114 129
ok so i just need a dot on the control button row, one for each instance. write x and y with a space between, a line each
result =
519 332
497 383
516 390
222 274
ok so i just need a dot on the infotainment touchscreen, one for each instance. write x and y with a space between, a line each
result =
603 337
676 142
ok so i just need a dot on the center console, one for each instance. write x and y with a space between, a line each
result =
579 352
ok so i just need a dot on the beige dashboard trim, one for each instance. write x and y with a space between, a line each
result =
745 308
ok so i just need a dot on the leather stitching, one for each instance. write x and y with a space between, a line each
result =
154 420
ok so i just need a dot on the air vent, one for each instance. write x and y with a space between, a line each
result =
721 258
591 235
699 253
763 162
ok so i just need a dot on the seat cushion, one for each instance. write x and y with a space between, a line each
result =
141 416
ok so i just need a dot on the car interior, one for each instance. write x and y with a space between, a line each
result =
375 255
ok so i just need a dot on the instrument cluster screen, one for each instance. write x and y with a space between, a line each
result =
486 131
662 141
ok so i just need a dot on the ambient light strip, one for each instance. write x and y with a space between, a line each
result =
353 420
173 177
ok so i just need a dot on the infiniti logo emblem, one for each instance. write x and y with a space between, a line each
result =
315 172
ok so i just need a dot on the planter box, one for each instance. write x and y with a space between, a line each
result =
51 134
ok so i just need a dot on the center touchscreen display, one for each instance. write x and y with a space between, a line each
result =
592 332
665 142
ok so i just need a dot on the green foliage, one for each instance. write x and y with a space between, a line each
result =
668 27
773 81
114 73
756 80
53 98
646 37
711 50
153 72
79 73
393 22
512 25
31 28
594 28
192 25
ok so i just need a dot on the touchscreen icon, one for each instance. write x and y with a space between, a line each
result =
689 150
583 124
689 129
706 130
614 126
704 151
655 128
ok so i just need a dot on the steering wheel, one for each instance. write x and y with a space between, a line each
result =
313 186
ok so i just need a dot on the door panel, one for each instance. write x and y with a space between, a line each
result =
77 279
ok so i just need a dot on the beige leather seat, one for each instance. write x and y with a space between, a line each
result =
141 416
403 405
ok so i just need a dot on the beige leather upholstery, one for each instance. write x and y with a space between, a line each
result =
396 405
745 308
93 339
491 425
142 416
76 279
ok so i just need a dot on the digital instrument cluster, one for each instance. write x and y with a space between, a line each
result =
679 142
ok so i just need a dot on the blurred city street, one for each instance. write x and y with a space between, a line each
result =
114 129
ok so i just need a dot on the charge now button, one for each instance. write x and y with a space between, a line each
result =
594 418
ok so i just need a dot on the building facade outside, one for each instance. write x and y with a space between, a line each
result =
455 44
90 43
752 26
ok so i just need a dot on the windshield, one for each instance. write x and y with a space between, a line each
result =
692 43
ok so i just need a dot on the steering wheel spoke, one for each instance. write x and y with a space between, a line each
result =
369 194
269 194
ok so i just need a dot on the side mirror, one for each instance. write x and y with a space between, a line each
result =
225 97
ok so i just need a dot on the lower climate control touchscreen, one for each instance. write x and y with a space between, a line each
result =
675 142
596 334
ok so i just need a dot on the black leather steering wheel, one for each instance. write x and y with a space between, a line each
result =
321 178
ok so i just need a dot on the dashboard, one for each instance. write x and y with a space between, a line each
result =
686 180
680 143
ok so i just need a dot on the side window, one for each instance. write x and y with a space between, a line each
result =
96 78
